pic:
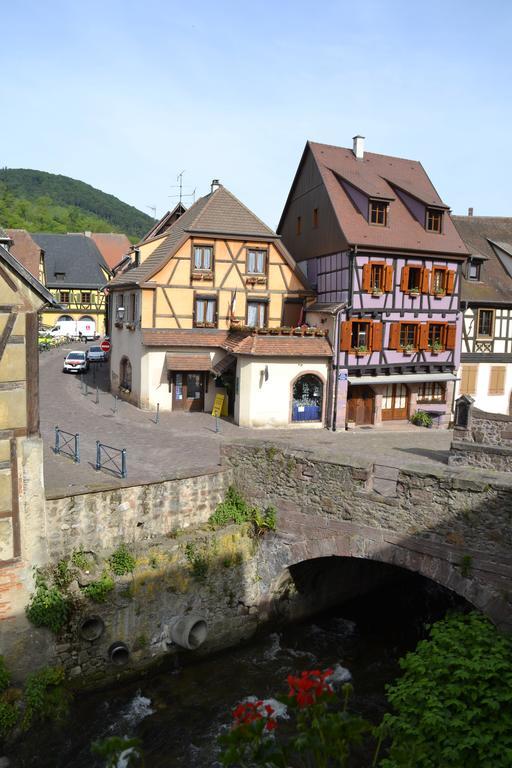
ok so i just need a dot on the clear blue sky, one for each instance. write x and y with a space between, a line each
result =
125 94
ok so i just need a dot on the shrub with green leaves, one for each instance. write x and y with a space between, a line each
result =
98 591
453 705
8 718
80 560
5 677
122 561
234 509
119 750
48 606
45 696
199 561
421 419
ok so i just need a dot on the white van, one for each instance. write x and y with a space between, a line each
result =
74 329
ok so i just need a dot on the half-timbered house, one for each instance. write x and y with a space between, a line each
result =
76 274
215 306
486 355
374 237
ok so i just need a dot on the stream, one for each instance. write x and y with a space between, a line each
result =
178 710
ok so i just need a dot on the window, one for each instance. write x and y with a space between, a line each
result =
436 335
432 392
474 270
307 398
377 277
434 220
315 218
409 335
131 308
64 297
378 213
85 297
362 336
439 280
468 379
256 314
299 225
485 323
292 312
414 280
205 311
256 261
497 380
203 257
119 300
60 275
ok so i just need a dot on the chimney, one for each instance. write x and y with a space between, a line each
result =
358 147
215 185
470 211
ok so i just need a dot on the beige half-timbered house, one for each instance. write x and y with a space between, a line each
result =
216 306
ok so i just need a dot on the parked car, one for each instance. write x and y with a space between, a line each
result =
76 362
96 355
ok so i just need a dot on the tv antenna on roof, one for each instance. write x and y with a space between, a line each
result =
181 195
152 208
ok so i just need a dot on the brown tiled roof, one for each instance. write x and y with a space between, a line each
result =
480 233
241 342
382 176
283 346
219 213
167 220
224 364
25 250
181 362
112 246
153 337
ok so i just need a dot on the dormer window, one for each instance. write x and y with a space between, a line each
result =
474 270
434 220
378 213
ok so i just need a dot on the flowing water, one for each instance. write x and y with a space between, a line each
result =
179 710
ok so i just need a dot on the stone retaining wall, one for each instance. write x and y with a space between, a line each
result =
486 442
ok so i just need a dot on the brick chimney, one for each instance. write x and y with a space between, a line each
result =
358 147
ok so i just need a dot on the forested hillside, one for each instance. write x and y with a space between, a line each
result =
46 202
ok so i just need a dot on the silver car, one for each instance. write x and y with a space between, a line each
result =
76 362
96 355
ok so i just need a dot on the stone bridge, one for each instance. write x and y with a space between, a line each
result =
450 525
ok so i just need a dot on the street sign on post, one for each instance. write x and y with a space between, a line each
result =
105 345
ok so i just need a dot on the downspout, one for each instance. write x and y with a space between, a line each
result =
346 307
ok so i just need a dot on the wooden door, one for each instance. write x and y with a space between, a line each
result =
395 402
360 404
188 391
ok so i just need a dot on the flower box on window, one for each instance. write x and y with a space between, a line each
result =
262 331
286 331
118 324
130 326
376 294
202 275
361 351
274 331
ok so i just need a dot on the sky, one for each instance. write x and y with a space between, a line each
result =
125 95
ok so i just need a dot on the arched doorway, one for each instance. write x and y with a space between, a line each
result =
395 402
307 398
360 404
65 319
125 374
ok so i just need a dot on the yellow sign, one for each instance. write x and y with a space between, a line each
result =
218 405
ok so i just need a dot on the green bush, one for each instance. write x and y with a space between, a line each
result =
80 560
122 561
62 575
48 607
453 704
113 747
8 718
421 419
98 591
199 562
45 696
5 677
234 509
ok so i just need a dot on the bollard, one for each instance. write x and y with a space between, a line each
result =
77 448
86 390
98 455
97 395
217 424
123 463
115 403
157 418
57 440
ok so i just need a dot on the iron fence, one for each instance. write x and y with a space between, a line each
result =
112 459
67 444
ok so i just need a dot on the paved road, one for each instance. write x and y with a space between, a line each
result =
187 442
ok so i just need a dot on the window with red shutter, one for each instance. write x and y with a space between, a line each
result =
377 330
394 336
345 336
450 281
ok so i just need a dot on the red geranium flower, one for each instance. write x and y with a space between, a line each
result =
309 687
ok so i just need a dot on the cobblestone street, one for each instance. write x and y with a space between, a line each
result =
185 443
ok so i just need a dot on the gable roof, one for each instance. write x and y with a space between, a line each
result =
380 177
26 276
167 220
76 257
218 213
25 250
484 236
112 246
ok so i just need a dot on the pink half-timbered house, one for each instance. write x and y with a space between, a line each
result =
378 244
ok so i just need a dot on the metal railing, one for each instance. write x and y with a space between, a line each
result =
67 444
108 455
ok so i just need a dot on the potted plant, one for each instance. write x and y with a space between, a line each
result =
422 419
274 331
408 349
436 348
361 351
286 330
439 293
262 331
413 292
376 293
297 331
309 331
